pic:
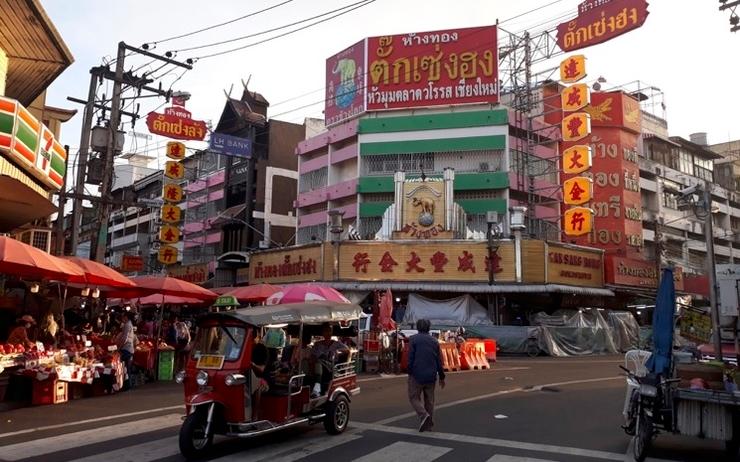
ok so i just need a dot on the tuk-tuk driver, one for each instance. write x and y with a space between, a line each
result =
328 350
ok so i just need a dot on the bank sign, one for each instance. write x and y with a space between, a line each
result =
228 145
440 68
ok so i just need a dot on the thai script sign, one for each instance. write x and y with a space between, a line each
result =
432 68
345 84
131 263
599 21
197 273
637 273
230 145
301 264
31 144
177 123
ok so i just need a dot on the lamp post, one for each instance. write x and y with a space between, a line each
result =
517 215
336 228
493 236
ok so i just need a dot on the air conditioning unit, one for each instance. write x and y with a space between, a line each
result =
39 238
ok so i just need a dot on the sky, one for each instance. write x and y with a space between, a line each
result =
684 49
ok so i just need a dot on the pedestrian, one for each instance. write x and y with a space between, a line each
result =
424 365
125 343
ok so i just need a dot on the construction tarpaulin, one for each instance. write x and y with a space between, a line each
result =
458 311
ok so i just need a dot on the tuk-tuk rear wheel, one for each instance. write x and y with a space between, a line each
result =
194 443
337 415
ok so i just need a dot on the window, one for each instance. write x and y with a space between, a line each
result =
224 341
703 168
670 200
685 162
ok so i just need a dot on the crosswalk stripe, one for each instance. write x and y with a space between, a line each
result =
407 452
505 458
52 444
145 452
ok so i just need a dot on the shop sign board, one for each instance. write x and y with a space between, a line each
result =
31 144
637 273
578 221
441 68
167 255
423 211
577 190
177 123
345 84
172 193
132 263
599 21
577 159
171 213
197 273
614 109
567 265
228 145
696 326
169 234
174 170
176 150
575 97
576 126
295 265
573 69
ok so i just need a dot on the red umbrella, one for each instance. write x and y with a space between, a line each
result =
255 293
97 274
305 293
23 260
157 299
165 285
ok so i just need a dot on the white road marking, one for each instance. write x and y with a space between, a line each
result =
505 458
289 451
493 395
98 419
146 452
97 435
403 376
484 441
407 452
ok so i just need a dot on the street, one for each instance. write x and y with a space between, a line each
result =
537 410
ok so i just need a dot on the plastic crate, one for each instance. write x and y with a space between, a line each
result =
49 392
165 369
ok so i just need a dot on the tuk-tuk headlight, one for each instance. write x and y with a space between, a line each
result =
202 378
235 379
180 377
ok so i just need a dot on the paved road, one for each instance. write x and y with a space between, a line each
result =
523 410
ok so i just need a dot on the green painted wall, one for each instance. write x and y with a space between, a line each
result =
434 121
373 209
463 182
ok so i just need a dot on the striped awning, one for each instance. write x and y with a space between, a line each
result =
470 288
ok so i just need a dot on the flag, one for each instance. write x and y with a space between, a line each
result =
386 311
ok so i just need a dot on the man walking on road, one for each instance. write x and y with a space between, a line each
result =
425 363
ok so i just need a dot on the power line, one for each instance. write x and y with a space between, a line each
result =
360 5
256 34
249 15
530 11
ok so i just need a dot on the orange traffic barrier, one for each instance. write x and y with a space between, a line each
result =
455 357
475 355
443 357
450 359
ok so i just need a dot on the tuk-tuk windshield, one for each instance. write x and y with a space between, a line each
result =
226 341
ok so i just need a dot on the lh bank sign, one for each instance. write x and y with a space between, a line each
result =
230 145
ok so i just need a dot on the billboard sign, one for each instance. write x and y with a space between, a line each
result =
177 123
599 21
228 145
345 84
441 68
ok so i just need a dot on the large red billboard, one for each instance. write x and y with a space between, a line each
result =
455 66
345 84
599 21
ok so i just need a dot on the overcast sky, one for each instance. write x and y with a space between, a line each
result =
685 49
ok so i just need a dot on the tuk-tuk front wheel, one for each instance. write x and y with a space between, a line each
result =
337 415
194 443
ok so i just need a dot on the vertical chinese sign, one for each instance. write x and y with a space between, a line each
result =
576 159
169 232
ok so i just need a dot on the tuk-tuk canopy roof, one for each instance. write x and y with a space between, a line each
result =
309 313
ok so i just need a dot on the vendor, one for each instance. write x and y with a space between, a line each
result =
49 330
19 335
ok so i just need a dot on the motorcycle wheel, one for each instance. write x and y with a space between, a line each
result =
643 437
194 443
337 416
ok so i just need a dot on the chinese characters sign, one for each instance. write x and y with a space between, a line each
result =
578 190
576 126
345 84
175 150
171 213
172 193
599 21
167 255
573 69
575 97
578 221
169 234
577 159
432 68
174 170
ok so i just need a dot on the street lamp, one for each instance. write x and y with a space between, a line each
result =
517 216
493 236
336 228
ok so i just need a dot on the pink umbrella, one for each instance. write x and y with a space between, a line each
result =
305 293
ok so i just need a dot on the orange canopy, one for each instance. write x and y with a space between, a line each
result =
23 260
98 274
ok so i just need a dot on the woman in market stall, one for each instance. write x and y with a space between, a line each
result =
48 331
19 335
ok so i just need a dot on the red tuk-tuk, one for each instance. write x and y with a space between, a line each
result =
225 396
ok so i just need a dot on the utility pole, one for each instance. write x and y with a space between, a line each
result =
82 159
709 238
62 203
97 249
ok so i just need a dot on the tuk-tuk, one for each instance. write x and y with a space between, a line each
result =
225 396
